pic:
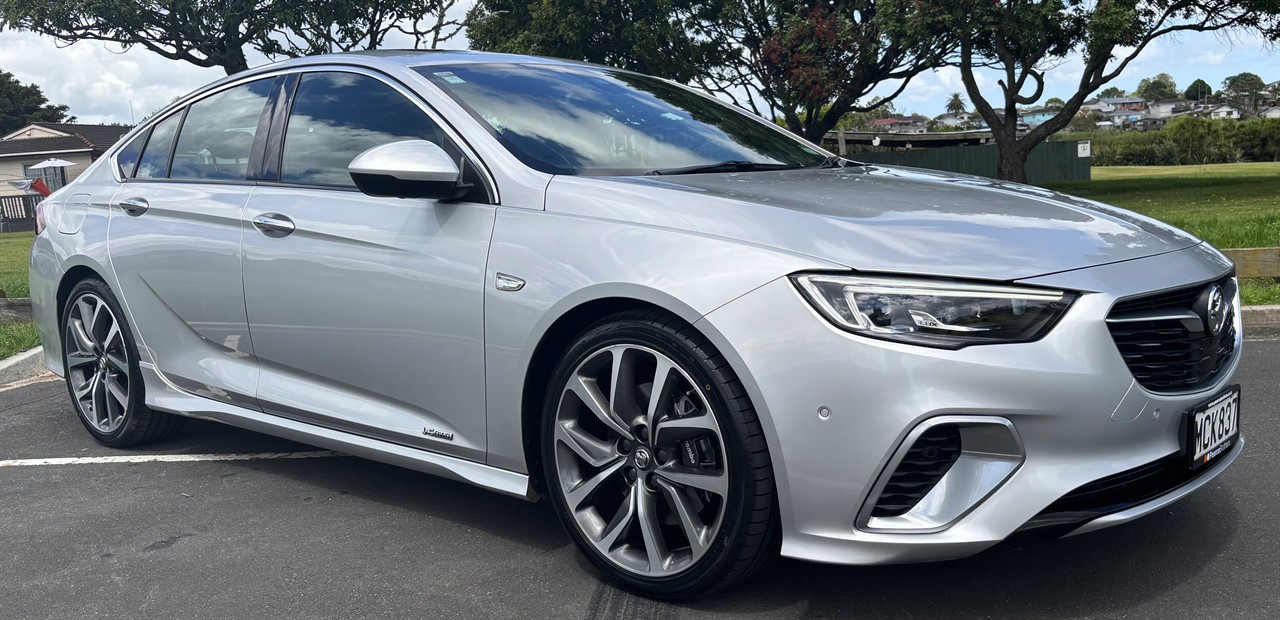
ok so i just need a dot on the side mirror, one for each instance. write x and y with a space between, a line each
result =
408 169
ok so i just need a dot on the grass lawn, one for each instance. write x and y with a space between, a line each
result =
1228 205
15 248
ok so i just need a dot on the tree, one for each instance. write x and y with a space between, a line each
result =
1245 91
1157 88
1112 92
1023 39
956 104
215 33
1198 90
23 104
1055 103
808 65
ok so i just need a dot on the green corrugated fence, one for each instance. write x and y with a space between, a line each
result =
1051 162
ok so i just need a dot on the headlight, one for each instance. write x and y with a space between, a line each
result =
934 313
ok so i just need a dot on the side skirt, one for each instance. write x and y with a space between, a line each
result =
164 396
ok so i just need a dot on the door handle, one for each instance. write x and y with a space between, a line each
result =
133 206
273 224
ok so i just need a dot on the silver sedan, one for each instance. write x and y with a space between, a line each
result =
705 341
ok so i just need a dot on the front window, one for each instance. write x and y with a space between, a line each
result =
595 121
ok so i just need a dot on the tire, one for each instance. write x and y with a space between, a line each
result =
670 493
100 361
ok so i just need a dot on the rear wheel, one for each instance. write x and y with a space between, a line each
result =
655 460
100 360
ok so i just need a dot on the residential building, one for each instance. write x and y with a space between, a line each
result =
1037 115
30 145
954 120
1271 112
1225 111
900 124
1165 108
1135 104
1148 123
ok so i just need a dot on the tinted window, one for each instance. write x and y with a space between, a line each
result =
218 134
127 158
584 120
336 116
154 163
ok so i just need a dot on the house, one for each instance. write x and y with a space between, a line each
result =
1097 105
1165 108
37 142
1121 117
1148 123
954 120
1225 111
900 124
1271 112
1037 115
1135 104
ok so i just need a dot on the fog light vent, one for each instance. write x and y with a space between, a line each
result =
925 463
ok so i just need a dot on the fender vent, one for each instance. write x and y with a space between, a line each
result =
928 459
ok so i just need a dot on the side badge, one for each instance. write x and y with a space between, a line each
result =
438 434
504 282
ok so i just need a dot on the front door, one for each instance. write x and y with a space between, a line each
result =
366 313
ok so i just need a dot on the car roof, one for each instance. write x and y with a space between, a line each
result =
420 58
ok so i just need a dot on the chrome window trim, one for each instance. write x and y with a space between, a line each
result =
415 98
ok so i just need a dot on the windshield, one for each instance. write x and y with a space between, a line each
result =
594 121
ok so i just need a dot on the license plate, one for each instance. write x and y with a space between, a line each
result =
1213 427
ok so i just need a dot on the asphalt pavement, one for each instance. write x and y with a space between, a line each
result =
343 537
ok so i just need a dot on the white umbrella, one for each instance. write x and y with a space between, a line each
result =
52 162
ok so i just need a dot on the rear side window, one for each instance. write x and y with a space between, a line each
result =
336 116
154 163
127 158
217 135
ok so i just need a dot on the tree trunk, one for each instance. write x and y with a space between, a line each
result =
1012 165
233 61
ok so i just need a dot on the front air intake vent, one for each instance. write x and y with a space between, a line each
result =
925 463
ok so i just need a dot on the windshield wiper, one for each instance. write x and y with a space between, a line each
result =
732 165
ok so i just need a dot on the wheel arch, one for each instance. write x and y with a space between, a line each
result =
557 338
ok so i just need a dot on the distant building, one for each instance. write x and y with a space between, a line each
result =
1165 108
37 142
954 120
1037 115
900 124
1148 123
1136 104
1271 112
1225 111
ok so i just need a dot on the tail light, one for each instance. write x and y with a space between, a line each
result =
39 217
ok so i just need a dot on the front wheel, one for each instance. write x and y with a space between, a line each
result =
655 460
100 360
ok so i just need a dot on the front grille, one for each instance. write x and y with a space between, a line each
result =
1170 354
928 459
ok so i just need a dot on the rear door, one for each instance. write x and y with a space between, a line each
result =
174 241
366 313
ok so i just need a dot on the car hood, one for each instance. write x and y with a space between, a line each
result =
885 219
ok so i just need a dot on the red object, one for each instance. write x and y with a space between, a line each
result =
39 187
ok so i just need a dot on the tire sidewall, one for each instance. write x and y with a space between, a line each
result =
716 561
136 395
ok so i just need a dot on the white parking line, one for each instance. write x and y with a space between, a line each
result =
170 458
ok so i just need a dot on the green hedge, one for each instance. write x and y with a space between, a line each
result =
1186 141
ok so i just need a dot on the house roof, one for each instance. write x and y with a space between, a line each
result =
99 137
59 144
1116 100
884 121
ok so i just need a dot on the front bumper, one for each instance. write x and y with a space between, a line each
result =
1078 412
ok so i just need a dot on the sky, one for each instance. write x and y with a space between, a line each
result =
103 83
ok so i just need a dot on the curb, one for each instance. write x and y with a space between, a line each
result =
25 365
1261 322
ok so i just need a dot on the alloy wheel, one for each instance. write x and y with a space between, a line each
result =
97 363
640 460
